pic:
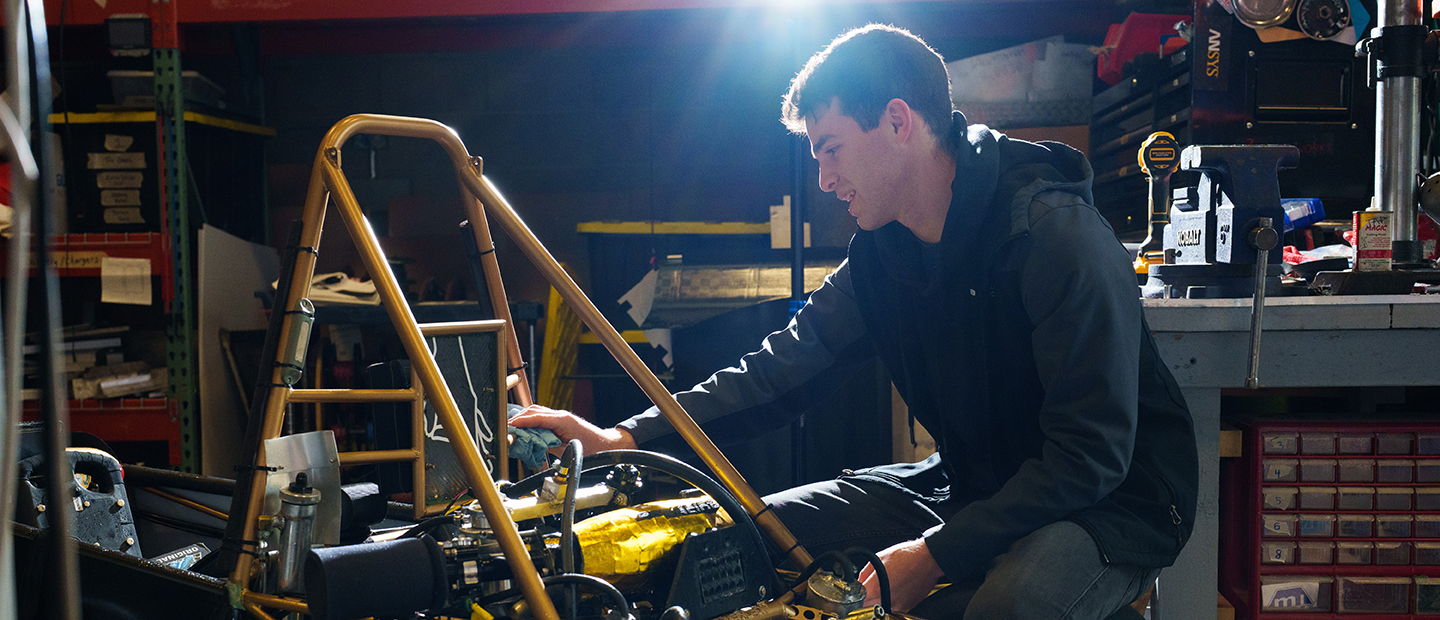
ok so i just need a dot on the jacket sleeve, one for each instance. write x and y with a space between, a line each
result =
821 347
1080 296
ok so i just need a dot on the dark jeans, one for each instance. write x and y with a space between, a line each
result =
1055 572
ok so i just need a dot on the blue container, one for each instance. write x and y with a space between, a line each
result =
1302 212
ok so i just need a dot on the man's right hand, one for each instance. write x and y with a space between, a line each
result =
569 426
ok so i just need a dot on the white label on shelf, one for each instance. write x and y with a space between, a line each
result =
109 180
119 197
117 143
125 281
124 215
1290 595
107 161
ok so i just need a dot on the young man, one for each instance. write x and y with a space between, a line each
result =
1007 315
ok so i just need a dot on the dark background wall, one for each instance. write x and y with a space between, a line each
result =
650 115
609 116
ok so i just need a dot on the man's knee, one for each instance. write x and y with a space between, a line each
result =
1008 600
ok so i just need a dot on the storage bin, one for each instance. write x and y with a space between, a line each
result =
1317 552
1392 553
1395 470
1427 595
1317 498
1276 526
1393 443
1375 595
1317 443
1297 593
1354 553
1427 443
1279 498
1281 470
1357 470
1317 470
1279 443
1355 443
1427 526
1427 554
1427 499
1427 470
1393 526
1356 498
1394 498
1316 526
1277 552
1357 526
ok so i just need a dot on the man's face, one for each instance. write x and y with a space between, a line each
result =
859 167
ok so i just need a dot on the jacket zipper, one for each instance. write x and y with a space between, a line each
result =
1174 511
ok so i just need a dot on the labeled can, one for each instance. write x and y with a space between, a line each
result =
1372 240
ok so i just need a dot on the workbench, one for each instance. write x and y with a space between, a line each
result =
1353 342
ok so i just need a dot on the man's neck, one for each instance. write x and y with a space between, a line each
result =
933 177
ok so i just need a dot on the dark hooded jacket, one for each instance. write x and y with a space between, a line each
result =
1018 341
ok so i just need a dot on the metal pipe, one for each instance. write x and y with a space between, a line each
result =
188 503
351 396
370 457
277 602
408 330
313 217
480 227
1397 141
23 175
257 612
458 328
64 600
530 245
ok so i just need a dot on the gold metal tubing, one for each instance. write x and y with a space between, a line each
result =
417 430
646 380
314 223
351 396
409 333
480 227
276 602
188 503
370 457
461 327
257 612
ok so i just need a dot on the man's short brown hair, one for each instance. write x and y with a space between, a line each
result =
866 68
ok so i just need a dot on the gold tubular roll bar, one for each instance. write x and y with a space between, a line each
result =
504 214
328 182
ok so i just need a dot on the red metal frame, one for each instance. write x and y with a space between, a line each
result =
79 255
124 419
1242 519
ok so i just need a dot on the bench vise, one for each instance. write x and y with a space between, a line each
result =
1210 245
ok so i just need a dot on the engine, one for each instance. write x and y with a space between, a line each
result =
646 537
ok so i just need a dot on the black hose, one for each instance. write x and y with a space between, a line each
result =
528 485
427 524
847 569
689 475
572 463
880 574
617 600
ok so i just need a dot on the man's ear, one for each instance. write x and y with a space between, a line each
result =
898 117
